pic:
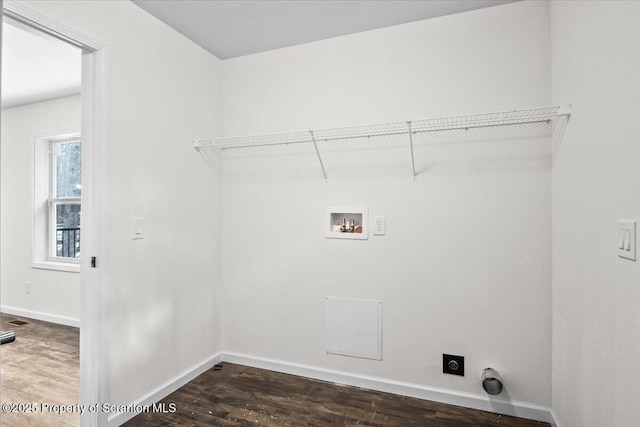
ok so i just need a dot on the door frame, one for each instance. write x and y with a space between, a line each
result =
93 325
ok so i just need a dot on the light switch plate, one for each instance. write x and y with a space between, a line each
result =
626 239
137 231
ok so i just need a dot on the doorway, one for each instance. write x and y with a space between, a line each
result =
41 210
92 239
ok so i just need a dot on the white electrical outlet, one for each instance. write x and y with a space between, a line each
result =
379 225
27 288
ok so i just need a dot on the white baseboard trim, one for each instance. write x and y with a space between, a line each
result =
165 389
451 397
467 400
555 421
37 315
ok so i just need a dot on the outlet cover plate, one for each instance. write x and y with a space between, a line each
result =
452 364
379 225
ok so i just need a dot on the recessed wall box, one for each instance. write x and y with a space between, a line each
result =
347 223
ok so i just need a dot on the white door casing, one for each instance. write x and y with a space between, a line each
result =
93 327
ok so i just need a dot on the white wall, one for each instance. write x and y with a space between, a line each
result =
465 267
162 93
54 293
596 182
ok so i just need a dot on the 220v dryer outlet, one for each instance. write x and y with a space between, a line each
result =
453 365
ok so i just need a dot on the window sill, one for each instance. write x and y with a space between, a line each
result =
57 266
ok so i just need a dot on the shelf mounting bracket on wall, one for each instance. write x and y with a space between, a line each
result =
413 161
553 121
315 145
563 111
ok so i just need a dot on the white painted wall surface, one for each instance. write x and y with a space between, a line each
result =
162 93
465 267
55 293
596 182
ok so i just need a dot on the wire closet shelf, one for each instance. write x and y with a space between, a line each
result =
547 117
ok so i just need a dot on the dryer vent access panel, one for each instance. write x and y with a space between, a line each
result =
354 327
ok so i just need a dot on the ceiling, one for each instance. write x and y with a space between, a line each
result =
229 29
37 67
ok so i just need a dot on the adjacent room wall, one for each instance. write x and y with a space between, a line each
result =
596 182
162 93
53 293
465 267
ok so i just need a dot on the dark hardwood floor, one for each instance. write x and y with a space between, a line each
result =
241 396
41 366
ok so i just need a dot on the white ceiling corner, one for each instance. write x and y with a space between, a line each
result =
230 29
36 67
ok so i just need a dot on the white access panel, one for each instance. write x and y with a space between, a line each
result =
354 327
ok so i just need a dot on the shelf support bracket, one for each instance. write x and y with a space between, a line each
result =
315 145
413 163
208 158
565 112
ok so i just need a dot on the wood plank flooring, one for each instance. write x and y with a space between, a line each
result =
241 396
41 366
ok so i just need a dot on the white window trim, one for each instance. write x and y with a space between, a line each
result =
42 229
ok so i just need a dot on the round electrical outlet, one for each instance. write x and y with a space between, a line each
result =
453 365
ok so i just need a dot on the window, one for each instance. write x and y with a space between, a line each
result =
57 201
64 198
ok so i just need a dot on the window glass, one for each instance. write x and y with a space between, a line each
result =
67 230
65 203
67 169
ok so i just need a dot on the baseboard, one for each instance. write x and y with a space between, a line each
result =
165 389
37 315
451 397
555 421
467 400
